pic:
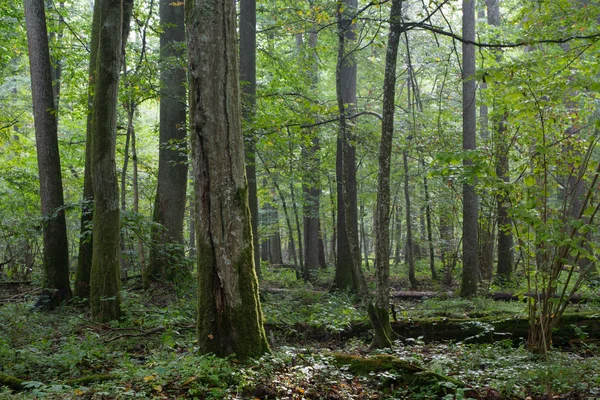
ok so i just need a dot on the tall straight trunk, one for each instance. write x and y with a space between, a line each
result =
84 260
334 223
86 247
136 198
296 214
470 270
275 255
230 318
429 227
363 234
130 114
310 179
504 267
167 250
411 247
248 80
347 271
56 245
398 224
410 244
105 280
382 327
55 38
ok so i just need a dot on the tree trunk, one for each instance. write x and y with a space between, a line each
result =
104 279
363 235
230 318
167 250
470 201
285 211
429 227
310 178
84 260
56 246
248 81
410 244
398 224
383 329
347 271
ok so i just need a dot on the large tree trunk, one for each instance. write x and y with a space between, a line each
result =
105 280
347 270
167 250
56 246
229 314
248 80
470 201
383 329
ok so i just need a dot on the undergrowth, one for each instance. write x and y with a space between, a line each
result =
152 353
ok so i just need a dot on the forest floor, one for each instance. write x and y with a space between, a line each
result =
317 351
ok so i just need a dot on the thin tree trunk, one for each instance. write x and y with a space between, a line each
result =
248 80
84 259
285 211
410 249
429 227
398 223
504 267
363 234
56 245
295 210
470 199
380 315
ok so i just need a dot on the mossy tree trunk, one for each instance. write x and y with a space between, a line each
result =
104 278
167 250
84 259
229 314
56 246
383 332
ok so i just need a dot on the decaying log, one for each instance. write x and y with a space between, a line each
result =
471 330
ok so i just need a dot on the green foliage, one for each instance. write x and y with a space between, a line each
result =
334 312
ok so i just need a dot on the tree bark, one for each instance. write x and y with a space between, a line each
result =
167 250
470 270
84 260
56 246
347 271
104 279
248 80
410 243
434 275
311 166
383 329
230 317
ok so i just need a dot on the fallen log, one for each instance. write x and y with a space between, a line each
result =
405 372
11 382
471 330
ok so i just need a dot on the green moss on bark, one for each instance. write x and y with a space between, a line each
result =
12 382
381 326
407 373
